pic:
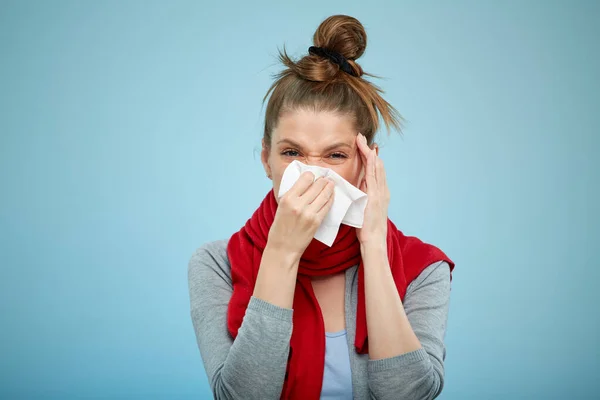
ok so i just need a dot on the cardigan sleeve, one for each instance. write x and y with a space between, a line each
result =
418 374
253 365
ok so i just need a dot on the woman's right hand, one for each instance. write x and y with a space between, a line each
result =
300 213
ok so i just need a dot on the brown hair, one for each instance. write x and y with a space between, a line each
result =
316 83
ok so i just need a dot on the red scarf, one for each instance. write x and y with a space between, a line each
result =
408 256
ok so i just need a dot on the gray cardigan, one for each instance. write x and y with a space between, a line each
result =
253 366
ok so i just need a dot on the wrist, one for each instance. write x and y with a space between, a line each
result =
374 255
284 256
276 277
374 244
374 249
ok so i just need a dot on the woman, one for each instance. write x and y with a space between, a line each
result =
277 314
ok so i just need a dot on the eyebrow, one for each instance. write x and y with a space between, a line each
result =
333 146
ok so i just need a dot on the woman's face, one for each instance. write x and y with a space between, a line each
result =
320 138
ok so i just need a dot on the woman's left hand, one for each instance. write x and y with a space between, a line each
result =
374 230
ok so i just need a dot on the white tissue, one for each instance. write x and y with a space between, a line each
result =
348 204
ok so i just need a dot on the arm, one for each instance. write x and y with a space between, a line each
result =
253 366
406 347
299 213
415 371
276 280
390 333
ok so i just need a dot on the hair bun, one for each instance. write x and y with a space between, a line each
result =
342 34
328 78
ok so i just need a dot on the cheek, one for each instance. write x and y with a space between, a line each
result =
277 169
350 171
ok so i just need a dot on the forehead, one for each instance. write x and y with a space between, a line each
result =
315 128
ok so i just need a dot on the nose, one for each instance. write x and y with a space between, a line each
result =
314 160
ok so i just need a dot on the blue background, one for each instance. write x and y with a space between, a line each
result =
130 133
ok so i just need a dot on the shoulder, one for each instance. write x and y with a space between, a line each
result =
436 274
210 261
215 251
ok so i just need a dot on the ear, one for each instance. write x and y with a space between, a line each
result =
264 158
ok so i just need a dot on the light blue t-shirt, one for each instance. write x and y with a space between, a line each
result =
337 376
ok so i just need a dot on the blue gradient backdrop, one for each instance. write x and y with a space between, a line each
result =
129 136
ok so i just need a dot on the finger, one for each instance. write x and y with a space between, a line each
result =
370 171
313 191
302 184
323 197
380 173
368 155
382 178
363 148
365 154
326 207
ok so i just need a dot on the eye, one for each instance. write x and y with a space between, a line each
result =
290 153
338 155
